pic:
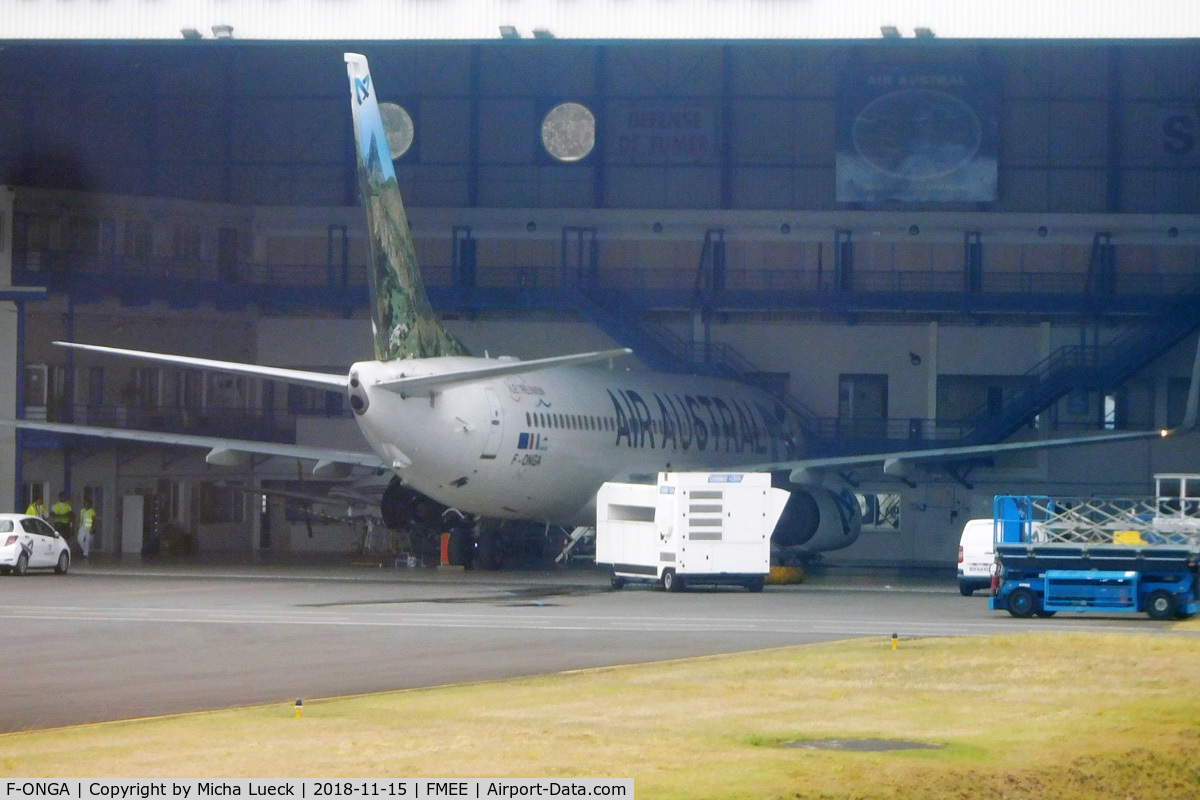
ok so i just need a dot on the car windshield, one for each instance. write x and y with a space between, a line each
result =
6 526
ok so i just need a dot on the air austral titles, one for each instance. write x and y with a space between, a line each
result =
501 440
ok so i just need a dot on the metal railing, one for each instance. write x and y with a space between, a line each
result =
47 265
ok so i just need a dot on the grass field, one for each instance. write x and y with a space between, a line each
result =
1028 716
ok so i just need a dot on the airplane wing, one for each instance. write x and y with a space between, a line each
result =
220 450
897 462
318 380
421 385
415 386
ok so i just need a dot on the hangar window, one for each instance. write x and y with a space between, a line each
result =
398 127
880 511
569 132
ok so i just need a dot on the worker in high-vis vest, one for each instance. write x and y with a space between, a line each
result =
37 509
61 515
86 518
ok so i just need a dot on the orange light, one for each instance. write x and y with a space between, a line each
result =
1164 433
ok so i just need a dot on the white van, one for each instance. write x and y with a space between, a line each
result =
976 554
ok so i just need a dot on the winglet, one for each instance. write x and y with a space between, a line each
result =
1193 398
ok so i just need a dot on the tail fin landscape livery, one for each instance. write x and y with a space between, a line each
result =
401 316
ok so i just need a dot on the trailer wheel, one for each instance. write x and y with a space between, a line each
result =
671 582
617 582
1160 605
1021 602
755 584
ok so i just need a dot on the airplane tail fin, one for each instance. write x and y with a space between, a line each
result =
401 316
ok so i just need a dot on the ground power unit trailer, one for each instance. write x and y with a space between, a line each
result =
1100 554
689 528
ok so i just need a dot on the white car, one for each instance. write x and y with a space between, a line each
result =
29 543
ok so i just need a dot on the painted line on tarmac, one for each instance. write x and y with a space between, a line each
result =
583 624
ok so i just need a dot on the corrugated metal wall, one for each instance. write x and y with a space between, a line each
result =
1083 127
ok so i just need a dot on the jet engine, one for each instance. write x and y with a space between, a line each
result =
815 520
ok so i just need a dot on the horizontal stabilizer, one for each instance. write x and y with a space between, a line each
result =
222 450
420 385
318 380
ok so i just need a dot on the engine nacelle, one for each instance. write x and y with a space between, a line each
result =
816 520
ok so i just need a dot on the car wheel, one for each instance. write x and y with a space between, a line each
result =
671 581
64 562
22 566
1160 605
1021 602
965 590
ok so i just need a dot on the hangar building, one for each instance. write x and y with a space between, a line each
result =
912 229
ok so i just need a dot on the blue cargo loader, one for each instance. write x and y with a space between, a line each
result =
1112 562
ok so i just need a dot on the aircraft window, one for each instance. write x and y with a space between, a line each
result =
574 422
528 420
569 132
558 420
397 127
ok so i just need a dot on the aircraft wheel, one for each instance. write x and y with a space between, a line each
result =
1021 602
461 547
488 556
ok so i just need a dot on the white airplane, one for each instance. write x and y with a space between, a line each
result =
505 440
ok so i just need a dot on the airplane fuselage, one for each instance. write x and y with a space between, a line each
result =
538 446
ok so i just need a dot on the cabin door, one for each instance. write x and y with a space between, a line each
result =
495 428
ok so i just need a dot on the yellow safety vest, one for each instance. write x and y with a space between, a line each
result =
61 512
36 510
88 514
